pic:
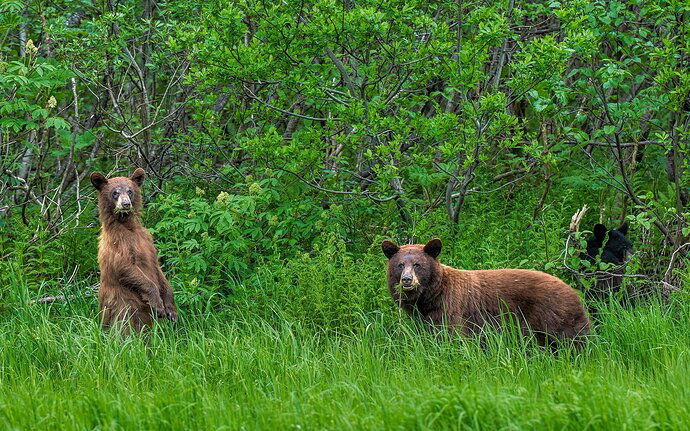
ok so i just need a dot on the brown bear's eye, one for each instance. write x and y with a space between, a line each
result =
129 192
115 195
416 265
400 266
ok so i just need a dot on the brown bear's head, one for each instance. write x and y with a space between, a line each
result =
412 267
119 197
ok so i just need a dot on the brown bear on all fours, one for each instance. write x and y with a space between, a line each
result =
469 300
133 289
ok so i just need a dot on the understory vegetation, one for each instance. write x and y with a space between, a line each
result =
283 141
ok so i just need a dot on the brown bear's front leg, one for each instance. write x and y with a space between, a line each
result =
167 296
135 279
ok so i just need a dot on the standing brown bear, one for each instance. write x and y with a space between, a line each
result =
133 288
468 300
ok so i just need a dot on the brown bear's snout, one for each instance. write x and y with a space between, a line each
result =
408 279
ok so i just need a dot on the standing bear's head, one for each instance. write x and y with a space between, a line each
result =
119 198
412 268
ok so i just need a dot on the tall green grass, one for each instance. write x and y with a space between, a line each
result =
235 370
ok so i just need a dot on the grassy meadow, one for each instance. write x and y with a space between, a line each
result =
235 370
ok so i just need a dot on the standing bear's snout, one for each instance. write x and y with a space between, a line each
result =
123 203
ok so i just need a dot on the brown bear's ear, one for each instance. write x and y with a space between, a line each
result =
389 248
433 248
138 176
98 180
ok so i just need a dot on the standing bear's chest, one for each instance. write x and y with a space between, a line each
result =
133 249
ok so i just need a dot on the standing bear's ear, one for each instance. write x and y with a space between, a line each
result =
138 176
98 180
389 248
599 232
433 248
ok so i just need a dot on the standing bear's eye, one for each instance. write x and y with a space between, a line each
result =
400 266
115 194
417 266
129 192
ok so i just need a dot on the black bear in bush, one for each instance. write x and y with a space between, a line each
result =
615 252
616 249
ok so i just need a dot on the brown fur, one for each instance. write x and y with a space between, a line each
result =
468 300
133 287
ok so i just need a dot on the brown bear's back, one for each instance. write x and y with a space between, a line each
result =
539 301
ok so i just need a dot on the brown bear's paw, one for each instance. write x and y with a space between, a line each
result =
171 314
159 311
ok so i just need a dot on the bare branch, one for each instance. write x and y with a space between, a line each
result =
306 117
343 73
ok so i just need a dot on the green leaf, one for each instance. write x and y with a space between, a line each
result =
57 123
609 130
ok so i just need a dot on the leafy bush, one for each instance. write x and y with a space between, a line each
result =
328 288
210 241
